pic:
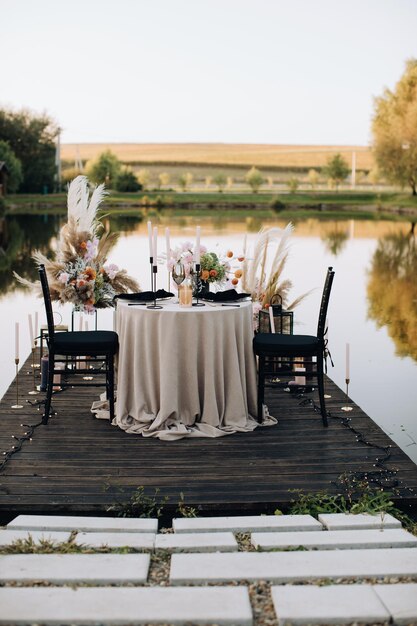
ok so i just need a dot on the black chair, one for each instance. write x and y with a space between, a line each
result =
101 345
292 350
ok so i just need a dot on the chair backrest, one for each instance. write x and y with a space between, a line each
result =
47 301
325 303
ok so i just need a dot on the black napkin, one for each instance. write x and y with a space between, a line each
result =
230 295
145 296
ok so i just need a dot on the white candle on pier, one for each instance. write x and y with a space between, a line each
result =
155 244
347 362
16 341
36 326
197 246
30 330
150 239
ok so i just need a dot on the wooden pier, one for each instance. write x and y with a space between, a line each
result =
78 464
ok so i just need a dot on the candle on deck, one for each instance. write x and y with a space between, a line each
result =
197 246
150 239
155 244
30 330
16 341
347 362
36 326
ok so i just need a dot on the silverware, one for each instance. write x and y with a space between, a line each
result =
235 305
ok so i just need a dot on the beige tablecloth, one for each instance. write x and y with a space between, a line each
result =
185 371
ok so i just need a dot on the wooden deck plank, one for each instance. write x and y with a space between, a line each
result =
80 465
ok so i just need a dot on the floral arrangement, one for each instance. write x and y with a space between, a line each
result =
80 274
214 267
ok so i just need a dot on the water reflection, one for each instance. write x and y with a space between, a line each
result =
392 290
335 240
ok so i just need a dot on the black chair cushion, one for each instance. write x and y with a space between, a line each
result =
88 342
276 344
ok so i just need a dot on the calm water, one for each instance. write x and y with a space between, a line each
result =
373 304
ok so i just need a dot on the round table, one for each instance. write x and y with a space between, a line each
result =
185 371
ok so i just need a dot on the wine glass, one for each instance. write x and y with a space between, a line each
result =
178 273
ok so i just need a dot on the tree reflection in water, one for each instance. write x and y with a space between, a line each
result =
392 290
335 240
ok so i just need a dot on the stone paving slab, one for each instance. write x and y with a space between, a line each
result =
137 541
60 569
400 600
86 606
292 566
197 542
298 605
336 539
347 521
92 524
247 523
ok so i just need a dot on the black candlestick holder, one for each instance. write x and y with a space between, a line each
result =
347 408
153 288
198 285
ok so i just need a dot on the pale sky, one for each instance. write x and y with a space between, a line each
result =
233 71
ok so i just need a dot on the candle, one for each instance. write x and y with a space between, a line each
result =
271 319
155 244
81 322
36 326
347 361
197 246
16 336
150 239
167 243
30 330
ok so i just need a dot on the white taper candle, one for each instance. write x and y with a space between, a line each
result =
36 325
197 245
347 361
155 244
150 238
30 330
168 244
16 340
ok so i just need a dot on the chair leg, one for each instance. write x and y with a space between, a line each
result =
320 380
49 388
111 386
261 387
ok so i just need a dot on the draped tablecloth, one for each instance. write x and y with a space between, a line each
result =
185 371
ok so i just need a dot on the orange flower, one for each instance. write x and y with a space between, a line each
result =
90 273
81 283
267 305
240 258
205 274
229 254
238 274
235 281
102 270
83 245
90 302
213 272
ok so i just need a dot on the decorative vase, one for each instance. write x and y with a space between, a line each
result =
200 287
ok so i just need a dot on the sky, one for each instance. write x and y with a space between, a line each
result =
181 71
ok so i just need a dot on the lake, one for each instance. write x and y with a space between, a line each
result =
373 304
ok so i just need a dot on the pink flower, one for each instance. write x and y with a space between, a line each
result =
63 278
111 270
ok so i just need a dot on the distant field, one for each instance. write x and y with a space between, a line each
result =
216 154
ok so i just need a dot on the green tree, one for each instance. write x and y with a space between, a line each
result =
185 180
144 176
254 179
220 181
32 138
163 179
293 183
104 169
313 178
127 181
394 129
13 165
336 170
